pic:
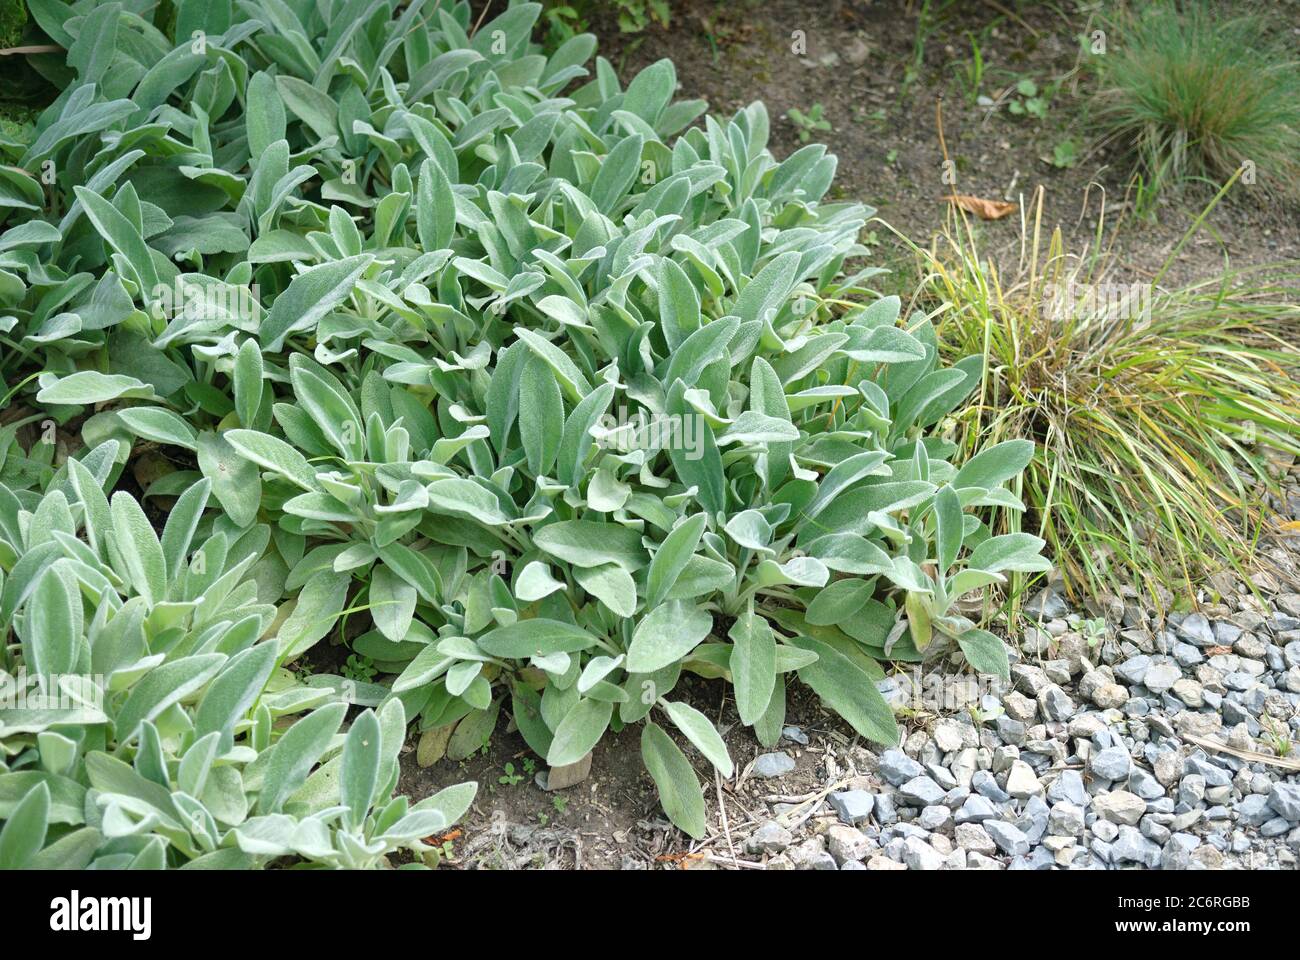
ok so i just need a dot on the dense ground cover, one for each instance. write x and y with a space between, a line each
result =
374 367
391 387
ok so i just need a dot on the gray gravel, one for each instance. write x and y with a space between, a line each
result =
853 806
773 765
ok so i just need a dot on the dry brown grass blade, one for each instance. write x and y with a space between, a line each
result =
1286 763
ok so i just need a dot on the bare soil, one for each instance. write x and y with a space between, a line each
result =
854 58
612 820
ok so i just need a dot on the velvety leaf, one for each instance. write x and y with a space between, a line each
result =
90 386
435 207
247 381
985 652
701 732
948 527
679 789
670 559
996 465
273 454
392 603
162 687
541 415
24 832
53 633
1012 551
360 768
753 665
236 482
233 692
139 548
617 171
667 633
264 117
530 638
159 425
589 543
296 752
611 585
579 731
848 691
309 298
839 601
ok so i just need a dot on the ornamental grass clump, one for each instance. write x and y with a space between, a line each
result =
504 375
1162 416
1192 92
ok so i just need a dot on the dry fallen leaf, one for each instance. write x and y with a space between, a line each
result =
438 839
433 745
150 466
984 209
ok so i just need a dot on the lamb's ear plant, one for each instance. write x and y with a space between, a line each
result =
143 725
534 399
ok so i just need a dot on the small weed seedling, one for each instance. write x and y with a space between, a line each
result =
1094 631
808 123
359 669
1277 735
1064 155
1029 101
